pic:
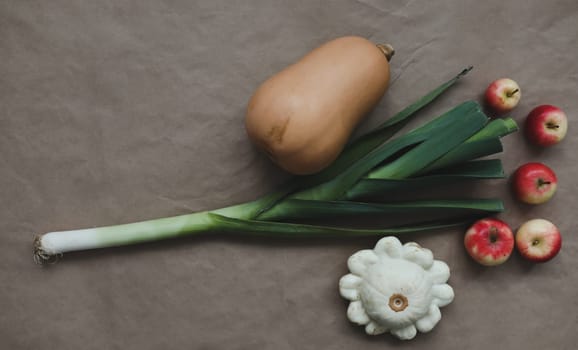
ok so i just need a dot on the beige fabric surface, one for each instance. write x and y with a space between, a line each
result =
118 111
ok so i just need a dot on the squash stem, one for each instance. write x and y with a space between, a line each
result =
387 50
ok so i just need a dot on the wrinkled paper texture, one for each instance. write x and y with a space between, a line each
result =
118 111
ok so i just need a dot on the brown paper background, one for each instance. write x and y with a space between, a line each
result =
118 111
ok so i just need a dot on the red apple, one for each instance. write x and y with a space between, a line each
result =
538 240
489 241
546 125
534 183
503 95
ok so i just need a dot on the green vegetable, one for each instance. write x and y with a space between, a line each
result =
439 153
472 170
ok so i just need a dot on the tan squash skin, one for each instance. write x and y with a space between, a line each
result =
303 116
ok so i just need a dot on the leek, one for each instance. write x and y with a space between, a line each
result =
471 170
438 153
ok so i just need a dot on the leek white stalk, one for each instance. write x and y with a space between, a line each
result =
59 242
54 244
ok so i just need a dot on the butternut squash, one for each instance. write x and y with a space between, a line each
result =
303 116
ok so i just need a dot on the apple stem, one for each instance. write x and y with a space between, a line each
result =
493 234
511 93
552 126
543 182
